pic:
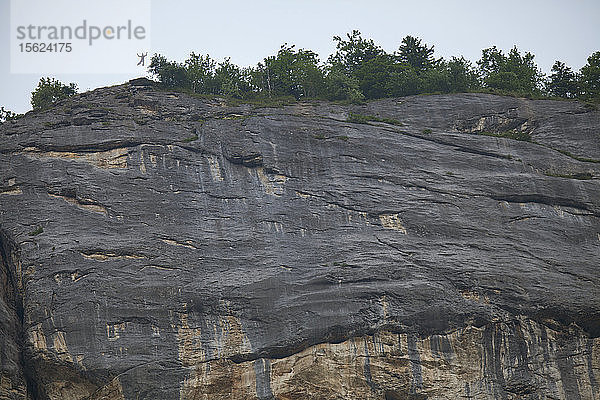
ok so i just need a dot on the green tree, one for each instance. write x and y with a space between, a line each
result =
436 79
200 73
351 54
513 73
590 77
563 82
462 75
418 56
290 73
375 74
491 62
169 73
308 74
232 80
404 82
50 91
454 76
366 62
339 86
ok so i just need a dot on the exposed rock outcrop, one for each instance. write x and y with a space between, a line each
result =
159 246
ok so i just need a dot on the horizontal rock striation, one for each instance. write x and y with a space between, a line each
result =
161 246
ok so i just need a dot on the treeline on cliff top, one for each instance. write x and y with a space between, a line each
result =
360 69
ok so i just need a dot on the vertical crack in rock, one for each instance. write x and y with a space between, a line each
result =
262 369
367 370
415 364
16 380
590 366
567 372
26 372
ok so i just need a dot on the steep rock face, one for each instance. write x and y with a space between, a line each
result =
157 246
12 381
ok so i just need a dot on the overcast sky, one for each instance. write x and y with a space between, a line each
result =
247 31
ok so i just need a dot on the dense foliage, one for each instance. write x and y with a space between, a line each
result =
7 115
360 69
49 91
589 77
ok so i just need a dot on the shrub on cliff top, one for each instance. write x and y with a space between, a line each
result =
50 91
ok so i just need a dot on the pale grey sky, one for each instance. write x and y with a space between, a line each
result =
247 31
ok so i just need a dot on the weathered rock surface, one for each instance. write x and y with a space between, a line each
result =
158 246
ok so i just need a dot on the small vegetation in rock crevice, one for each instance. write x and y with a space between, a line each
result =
263 102
191 138
230 117
515 135
578 158
36 231
426 131
140 121
321 136
340 264
577 175
591 106
365 119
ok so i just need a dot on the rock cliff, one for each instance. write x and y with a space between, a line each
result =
160 246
